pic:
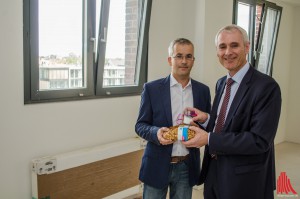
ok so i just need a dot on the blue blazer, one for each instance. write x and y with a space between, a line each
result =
155 112
245 147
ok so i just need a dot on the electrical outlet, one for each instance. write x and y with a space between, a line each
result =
141 188
45 165
143 143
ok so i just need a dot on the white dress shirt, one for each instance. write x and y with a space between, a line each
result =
238 77
180 99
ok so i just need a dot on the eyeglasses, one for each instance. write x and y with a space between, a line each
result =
188 57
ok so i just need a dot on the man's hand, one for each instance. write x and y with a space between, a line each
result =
160 137
200 139
197 115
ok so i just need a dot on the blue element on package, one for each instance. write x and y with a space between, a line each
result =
185 133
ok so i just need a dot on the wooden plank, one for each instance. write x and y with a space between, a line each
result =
95 180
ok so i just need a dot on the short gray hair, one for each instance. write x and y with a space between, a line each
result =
178 41
231 28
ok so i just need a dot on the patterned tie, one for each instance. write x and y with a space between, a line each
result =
222 114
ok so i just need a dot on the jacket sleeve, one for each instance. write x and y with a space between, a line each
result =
143 126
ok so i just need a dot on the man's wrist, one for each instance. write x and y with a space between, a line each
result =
204 119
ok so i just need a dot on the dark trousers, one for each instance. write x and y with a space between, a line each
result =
210 184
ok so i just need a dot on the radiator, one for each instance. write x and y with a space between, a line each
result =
56 164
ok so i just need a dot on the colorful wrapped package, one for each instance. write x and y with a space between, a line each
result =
180 132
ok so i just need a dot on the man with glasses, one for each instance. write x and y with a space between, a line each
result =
169 164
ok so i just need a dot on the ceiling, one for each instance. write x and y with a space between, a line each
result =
293 2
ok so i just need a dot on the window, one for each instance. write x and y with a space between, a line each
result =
77 49
261 20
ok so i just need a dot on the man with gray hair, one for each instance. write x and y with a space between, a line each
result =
239 154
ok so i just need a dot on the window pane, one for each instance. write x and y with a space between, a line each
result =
268 41
98 19
258 21
68 43
121 44
60 44
243 17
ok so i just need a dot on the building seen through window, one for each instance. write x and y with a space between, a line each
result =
78 48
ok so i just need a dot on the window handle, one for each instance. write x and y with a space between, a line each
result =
259 51
104 35
93 39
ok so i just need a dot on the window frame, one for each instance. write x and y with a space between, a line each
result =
94 70
142 60
254 54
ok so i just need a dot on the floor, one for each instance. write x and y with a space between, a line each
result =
287 157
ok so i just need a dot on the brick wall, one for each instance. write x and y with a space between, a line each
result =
131 28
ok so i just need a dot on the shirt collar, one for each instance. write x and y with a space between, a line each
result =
174 82
238 77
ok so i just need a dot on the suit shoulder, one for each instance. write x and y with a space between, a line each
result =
219 82
197 83
222 79
264 85
264 79
156 82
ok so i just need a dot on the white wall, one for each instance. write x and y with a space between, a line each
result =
211 16
293 108
286 71
170 19
30 131
282 65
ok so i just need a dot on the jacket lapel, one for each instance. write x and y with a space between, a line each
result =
165 95
196 95
214 112
243 88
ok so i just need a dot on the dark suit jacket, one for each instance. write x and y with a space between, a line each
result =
155 112
245 147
